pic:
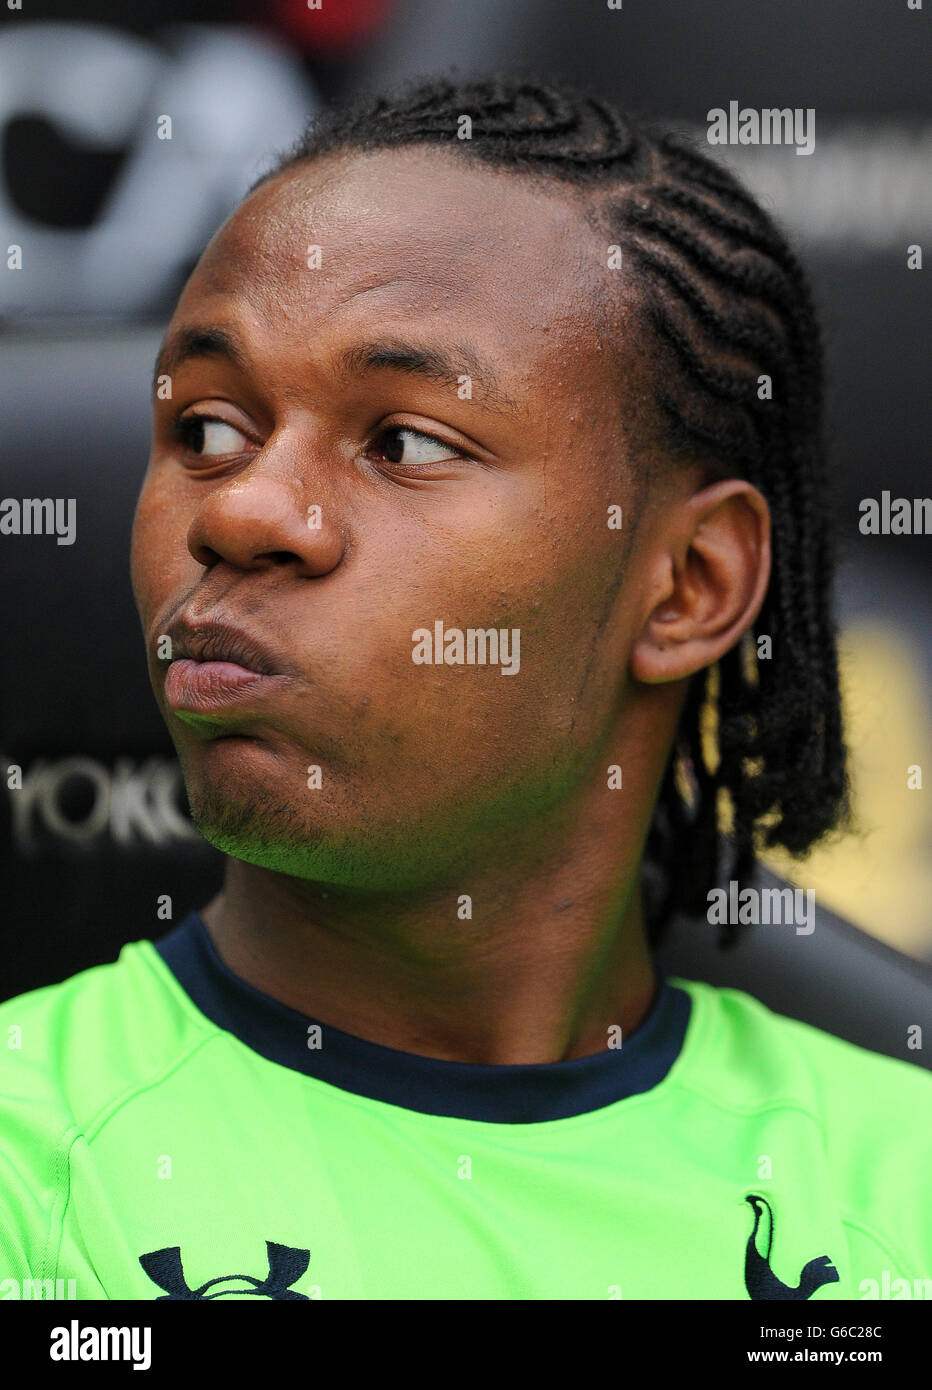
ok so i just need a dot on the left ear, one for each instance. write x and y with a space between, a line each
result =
711 567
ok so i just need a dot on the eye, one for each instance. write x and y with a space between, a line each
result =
401 444
209 437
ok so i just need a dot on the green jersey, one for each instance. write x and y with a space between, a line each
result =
167 1131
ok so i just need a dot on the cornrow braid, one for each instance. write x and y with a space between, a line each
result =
729 304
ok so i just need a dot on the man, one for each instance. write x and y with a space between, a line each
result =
482 560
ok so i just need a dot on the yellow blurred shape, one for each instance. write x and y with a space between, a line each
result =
879 876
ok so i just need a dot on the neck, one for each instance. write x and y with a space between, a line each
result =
553 956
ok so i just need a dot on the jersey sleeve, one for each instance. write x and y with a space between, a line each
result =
877 1122
35 1133
23 1226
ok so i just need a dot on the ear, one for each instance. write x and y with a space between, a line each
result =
709 570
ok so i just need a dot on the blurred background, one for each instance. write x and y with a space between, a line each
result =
111 218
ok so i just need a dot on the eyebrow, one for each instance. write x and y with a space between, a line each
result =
444 365
190 343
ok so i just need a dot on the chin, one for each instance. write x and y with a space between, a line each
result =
260 830
244 815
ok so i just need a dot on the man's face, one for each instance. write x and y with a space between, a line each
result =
500 521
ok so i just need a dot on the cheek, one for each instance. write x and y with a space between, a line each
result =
553 595
159 556
573 648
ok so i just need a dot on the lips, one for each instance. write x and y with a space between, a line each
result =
222 642
216 666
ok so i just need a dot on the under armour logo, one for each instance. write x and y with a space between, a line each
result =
759 1278
286 1265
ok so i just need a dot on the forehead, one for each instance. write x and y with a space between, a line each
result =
429 237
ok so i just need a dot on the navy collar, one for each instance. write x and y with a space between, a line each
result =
506 1094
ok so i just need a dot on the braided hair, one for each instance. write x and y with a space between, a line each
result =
759 746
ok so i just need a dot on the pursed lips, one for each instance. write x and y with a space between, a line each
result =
215 666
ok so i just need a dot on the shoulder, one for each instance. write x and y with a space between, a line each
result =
770 1057
69 1050
70 1055
870 1115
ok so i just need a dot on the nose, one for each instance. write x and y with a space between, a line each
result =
260 519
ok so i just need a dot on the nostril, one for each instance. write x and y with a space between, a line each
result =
205 556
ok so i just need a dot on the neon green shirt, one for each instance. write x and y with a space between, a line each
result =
167 1131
